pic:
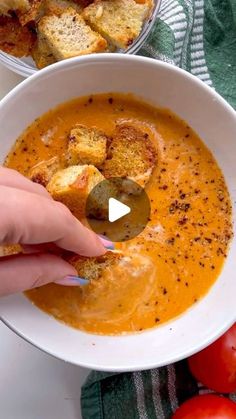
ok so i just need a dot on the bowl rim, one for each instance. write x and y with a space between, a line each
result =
118 57
134 60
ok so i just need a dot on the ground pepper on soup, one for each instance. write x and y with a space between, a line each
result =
180 253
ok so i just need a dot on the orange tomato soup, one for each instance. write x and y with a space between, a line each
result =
178 256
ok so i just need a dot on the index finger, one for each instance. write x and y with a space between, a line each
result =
27 218
14 179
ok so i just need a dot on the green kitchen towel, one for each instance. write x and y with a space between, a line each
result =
200 37
153 394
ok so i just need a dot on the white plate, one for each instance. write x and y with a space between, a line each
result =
214 120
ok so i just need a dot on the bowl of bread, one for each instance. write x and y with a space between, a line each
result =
38 33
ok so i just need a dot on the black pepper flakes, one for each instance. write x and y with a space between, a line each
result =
170 241
183 221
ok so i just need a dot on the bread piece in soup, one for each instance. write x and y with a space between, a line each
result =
86 146
131 154
72 185
92 268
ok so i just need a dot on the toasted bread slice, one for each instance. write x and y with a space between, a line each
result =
56 7
93 268
69 36
14 5
42 172
15 39
33 14
86 146
118 21
131 154
71 186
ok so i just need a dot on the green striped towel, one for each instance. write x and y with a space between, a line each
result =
200 37
153 394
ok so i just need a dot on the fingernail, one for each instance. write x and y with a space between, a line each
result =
107 243
73 281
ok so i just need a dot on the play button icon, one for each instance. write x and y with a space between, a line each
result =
118 208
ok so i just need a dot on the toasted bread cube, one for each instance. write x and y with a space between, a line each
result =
56 7
131 154
72 185
92 268
42 172
15 39
16 5
69 36
118 21
86 146
33 14
42 54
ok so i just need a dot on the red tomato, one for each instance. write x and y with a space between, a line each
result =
208 406
215 366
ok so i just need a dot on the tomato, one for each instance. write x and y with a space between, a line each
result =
208 406
215 366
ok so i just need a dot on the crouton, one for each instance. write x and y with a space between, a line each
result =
71 186
131 154
118 21
86 146
33 14
10 250
92 268
15 39
56 7
14 5
41 53
69 36
42 172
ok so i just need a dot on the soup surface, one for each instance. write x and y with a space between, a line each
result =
178 256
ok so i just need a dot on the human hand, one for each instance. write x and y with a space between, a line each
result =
30 217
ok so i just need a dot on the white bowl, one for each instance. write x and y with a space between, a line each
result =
214 120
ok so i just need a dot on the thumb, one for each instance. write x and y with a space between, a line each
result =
22 272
